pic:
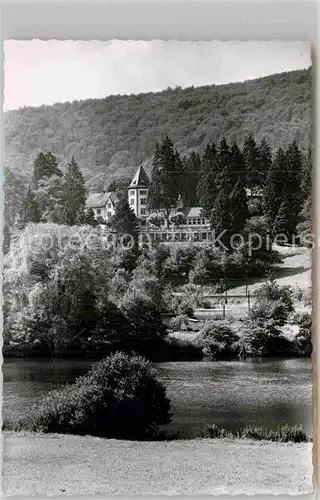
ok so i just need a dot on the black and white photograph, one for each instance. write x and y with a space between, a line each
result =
157 247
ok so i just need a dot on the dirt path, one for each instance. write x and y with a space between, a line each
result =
66 465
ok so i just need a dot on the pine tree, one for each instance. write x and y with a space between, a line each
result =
191 176
238 195
292 184
155 188
164 186
207 189
265 161
74 194
252 163
306 180
89 217
285 220
44 165
29 211
124 220
274 186
216 201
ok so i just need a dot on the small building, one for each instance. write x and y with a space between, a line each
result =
138 193
103 204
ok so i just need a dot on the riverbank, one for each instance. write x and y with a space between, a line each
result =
73 465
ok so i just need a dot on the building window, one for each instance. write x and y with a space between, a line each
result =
132 193
194 222
143 201
98 211
189 222
143 211
109 205
199 222
143 191
131 201
203 221
109 214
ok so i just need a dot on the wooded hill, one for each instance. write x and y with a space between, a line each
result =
109 137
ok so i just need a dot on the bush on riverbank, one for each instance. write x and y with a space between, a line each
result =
219 341
283 434
119 398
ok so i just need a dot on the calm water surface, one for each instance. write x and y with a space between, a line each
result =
230 394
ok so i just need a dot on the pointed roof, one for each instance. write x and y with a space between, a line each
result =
98 200
140 179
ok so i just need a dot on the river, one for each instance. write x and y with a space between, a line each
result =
231 394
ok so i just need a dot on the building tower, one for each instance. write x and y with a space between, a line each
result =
138 193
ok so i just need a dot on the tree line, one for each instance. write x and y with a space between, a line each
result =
226 179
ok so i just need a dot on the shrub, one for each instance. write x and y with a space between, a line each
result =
265 341
219 341
119 398
214 432
283 434
303 339
273 305
177 219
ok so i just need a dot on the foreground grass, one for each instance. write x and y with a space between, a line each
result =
52 464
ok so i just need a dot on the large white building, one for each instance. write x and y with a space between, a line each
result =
138 193
103 205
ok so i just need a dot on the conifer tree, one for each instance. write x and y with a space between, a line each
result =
238 195
74 194
306 180
89 217
124 220
252 163
292 181
164 185
273 190
265 161
29 211
45 165
191 175
285 222
207 186
216 201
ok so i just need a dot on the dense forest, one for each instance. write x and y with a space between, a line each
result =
110 136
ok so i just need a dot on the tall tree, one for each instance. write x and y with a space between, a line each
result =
44 165
217 206
292 185
274 186
265 161
306 180
124 220
164 185
285 222
29 211
238 195
190 178
49 196
252 163
207 185
74 194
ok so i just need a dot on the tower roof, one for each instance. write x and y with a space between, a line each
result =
140 178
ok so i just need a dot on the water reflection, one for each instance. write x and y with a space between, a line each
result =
230 394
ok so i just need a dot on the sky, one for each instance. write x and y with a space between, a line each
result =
45 72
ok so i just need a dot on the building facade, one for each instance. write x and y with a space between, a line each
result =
103 204
138 193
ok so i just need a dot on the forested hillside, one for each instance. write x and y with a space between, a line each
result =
109 137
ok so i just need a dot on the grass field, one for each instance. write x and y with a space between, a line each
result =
73 465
